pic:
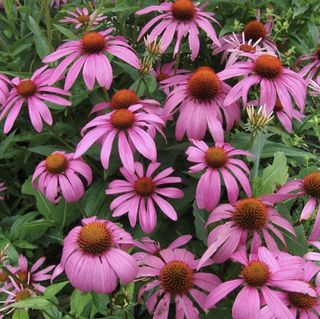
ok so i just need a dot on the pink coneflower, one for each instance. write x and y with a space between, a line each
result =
182 17
166 71
4 91
141 191
244 222
311 69
261 278
89 53
235 47
301 305
151 247
130 126
315 86
35 91
32 276
92 257
2 189
309 185
59 175
266 70
218 160
199 96
81 17
174 274
58 3
123 99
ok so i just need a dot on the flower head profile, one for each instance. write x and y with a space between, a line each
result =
315 86
4 90
92 257
218 164
261 279
174 275
124 98
301 305
81 17
183 18
308 186
311 68
60 175
58 3
89 55
33 276
132 127
35 91
199 97
244 223
141 191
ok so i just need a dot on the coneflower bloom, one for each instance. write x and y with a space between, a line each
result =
59 175
174 276
301 305
2 189
166 71
246 222
4 91
274 80
234 48
258 119
81 17
311 69
218 163
308 186
261 278
123 99
32 276
89 54
152 247
199 97
96 245
180 17
35 91
130 126
141 191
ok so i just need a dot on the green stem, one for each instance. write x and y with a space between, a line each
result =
48 22
90 24
84 214
66 144
177 62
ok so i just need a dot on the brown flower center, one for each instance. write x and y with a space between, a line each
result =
278 106
162 77
3 276
56 163
247 48
122 119
22 295
301 300
216 157
83 18
183 10
93 42
26 88
318 53
256 274
176 277
204 84
254 30
251 214
268 66
23 276
95 238
144 186
311 184
122 99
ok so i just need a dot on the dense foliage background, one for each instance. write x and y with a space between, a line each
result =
31 225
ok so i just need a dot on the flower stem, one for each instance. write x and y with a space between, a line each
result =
48 22
90 24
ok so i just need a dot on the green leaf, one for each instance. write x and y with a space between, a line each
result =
274 175
42 46
52 290
69 34
78 301
257 147
36 303
20 314
200 219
